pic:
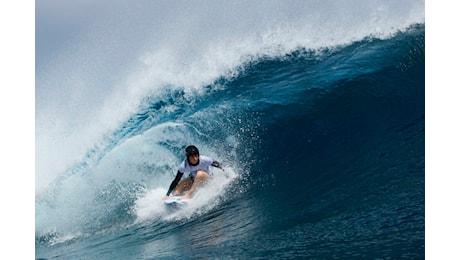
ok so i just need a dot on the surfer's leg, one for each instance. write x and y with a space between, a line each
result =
201 177
182 186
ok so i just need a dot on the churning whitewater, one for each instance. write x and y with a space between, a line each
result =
315 109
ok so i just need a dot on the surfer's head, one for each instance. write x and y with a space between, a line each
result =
191 150
192 154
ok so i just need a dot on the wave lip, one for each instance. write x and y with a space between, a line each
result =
341 89
84 76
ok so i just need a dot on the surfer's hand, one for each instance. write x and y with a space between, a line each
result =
165 197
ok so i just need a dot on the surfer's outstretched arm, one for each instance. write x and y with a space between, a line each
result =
174 183
217 164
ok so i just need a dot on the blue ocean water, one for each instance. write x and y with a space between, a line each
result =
323 150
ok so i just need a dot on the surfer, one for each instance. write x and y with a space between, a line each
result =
198 167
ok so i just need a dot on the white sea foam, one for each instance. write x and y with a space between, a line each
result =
96 62
149 205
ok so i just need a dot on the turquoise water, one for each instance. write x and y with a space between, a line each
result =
322 144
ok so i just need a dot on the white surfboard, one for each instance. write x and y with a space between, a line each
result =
176 201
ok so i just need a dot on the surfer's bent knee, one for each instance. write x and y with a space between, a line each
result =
201 174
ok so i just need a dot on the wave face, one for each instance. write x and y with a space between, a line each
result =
316 112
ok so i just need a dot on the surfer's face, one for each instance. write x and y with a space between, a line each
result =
193 159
